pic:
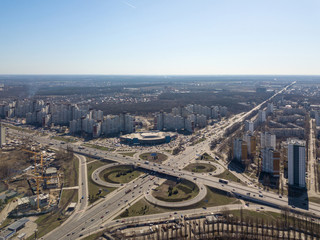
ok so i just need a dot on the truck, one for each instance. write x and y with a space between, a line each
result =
127 191
223 181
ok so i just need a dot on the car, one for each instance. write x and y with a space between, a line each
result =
82 229
102 217
280 196
175 213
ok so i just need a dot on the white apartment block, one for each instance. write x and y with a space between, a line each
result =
268 140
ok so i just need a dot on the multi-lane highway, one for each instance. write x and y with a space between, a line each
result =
86 219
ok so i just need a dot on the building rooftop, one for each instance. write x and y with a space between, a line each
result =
152 135
5 234
18 224
51 170
24 200
296 142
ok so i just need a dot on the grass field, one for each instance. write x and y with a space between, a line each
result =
159 158
98 147
120 174
142 207
206 157
129 154
228 176
213 198
200 168
314 199
265 215
94 236
93 187
171 191
70 173
67 196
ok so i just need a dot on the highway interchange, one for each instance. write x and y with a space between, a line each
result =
86 220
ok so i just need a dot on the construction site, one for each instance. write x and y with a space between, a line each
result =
34 187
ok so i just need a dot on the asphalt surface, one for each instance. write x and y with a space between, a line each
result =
93 218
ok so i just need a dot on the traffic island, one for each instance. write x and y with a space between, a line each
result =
175 194
96 188
154 157
114 175
120 174
200 168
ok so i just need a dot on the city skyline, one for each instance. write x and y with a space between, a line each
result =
159 38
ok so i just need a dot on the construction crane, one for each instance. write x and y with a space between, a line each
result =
37 177
35 159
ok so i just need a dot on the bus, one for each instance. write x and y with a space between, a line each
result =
223 181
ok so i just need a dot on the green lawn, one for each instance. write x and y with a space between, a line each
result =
265 215
172 191
214 198
206 157
120 174
67 196
159 158
94 236
314 199
142 207
200 168
93 187
98 147
228 176
130 154
6 223
70 172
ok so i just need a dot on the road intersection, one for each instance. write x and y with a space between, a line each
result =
89 219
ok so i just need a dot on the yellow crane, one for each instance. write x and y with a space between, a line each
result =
35 159
37 177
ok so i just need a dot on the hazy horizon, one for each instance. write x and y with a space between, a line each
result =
140 37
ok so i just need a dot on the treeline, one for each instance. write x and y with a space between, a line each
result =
226 226
167 101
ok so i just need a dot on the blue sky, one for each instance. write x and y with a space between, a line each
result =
159 37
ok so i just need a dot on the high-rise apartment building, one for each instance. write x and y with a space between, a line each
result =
2 135
240 150
268 140
297 163
270 161
251 143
